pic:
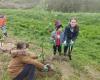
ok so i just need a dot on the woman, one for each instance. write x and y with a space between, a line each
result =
70 35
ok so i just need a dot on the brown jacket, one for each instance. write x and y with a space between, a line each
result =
19 59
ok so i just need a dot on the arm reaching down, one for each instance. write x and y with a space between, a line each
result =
32 55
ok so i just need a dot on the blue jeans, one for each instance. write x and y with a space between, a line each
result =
28 72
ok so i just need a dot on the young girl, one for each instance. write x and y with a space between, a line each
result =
22 65
56 37
70 35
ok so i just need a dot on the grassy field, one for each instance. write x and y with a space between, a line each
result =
32 26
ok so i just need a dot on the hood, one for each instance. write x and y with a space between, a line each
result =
16 53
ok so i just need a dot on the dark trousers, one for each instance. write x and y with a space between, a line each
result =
28 73
56 47
66 50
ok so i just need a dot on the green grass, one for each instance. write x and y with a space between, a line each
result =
32 26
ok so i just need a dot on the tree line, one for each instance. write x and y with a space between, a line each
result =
72 5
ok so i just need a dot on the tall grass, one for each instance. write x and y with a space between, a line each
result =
33 25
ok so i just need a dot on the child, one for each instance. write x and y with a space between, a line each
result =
56 37
22 65
3 25
70 35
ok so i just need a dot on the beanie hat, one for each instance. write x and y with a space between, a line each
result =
58 24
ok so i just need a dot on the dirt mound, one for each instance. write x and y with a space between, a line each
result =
49 74
53 72
92 73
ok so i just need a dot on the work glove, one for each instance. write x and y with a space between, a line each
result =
46 68
64 43
71 42
54 41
